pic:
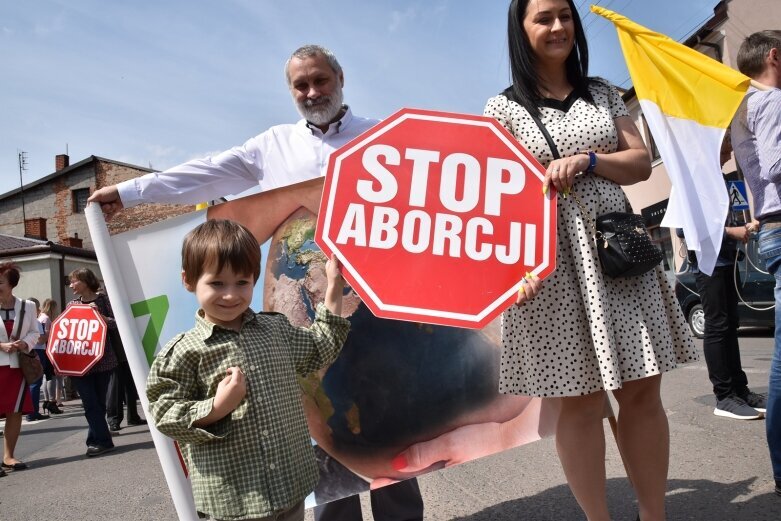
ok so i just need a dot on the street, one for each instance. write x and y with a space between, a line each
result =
719 468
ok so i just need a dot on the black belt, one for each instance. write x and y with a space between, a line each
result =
772 218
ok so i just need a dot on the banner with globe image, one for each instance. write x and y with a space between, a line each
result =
402 399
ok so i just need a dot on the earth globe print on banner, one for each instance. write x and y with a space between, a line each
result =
395 383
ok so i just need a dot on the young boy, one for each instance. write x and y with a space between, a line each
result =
227 391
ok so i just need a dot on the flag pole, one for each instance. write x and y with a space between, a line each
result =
760 86
173 467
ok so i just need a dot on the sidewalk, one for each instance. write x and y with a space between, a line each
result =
62 483
719 469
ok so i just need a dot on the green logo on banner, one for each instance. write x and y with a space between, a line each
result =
157 309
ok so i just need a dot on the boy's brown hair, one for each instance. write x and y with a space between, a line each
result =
221 242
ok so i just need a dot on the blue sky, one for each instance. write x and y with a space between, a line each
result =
160 82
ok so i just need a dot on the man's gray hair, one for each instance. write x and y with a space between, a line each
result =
308 51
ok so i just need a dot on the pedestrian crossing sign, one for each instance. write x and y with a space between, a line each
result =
738 198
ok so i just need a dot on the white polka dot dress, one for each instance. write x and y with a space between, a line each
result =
585 332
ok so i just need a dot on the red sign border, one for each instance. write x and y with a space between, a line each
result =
375 304
51 341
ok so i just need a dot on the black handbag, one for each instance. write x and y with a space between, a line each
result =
623 245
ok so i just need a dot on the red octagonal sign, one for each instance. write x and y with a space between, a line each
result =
437 217
77 340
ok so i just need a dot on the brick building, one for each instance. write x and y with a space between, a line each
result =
52 208
44 230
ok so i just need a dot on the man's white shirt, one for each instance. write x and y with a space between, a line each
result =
280 156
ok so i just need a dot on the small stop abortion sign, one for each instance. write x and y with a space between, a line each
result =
437 217
77 340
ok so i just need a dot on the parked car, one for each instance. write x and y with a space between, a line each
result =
755 291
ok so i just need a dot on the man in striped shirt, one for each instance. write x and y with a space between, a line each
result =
756 140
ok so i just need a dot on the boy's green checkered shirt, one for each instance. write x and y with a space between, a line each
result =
258 459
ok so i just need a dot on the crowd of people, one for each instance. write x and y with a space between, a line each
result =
27 325
580 130
620 334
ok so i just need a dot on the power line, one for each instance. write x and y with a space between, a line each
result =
696 27
605 26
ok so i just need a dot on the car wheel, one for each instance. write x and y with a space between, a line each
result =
697 321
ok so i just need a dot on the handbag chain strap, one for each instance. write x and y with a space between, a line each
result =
555 152
599 237
593 225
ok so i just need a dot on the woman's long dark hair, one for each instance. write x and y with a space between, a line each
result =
525 87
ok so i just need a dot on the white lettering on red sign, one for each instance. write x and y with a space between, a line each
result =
444 233
77 328
76 347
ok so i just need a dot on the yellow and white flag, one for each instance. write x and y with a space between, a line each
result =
688 100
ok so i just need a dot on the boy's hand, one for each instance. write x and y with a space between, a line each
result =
230 391
333 293
333 270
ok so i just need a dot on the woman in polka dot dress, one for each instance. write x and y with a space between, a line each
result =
581 333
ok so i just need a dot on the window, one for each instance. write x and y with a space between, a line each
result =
650 143
660 236
80 197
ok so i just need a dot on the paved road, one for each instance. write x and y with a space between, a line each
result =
719 469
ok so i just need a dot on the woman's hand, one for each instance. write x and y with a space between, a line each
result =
457 446
477 440
452 448
14 346
561 172
529 289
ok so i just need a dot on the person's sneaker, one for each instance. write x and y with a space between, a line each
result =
735 407
756 400
97 450
113 427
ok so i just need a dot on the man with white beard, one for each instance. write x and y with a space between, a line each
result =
280 156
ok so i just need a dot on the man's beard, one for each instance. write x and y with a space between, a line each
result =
324 109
